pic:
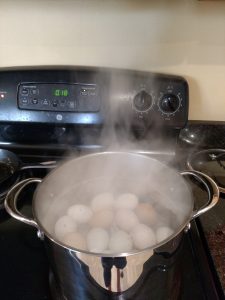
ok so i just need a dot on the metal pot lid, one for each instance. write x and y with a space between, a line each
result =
210 162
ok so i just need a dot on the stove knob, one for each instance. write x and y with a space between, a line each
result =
169 103
142 101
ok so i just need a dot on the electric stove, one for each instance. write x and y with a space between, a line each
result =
53 114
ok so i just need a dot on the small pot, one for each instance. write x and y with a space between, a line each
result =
209 162
79 273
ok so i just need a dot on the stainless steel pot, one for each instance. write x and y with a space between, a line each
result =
79 272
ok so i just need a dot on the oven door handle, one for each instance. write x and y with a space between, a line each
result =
211 188
12 199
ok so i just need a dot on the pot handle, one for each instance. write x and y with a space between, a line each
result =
12 198
213 196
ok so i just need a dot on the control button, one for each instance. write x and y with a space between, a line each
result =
54 103
62 102
84 92
35 101
24 92
71 104
34 92
45 102
24 101
143 101
169 103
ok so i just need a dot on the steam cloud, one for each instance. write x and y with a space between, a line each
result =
79 179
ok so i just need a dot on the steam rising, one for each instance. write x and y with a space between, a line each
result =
123 129
82 180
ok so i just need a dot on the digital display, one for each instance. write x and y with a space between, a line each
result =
61 92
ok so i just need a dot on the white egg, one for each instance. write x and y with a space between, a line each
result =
103 218
143 236
75 239
120 242
126 219
64 225
80 213
163 233
102 202
146 213
97 240
126 201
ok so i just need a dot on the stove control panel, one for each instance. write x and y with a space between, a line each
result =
93 96
59 97
161 100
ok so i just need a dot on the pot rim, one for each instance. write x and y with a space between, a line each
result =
99 254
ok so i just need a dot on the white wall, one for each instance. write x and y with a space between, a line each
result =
184 37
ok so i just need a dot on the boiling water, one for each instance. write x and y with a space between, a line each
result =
113 203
